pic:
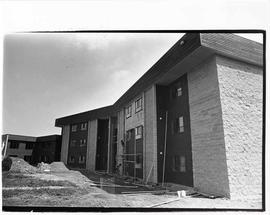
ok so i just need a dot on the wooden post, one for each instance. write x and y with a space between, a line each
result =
164 152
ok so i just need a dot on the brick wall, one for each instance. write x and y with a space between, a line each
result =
208 147
150 131
241 87
65 142
91 145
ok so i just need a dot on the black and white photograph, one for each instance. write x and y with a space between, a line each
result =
117 120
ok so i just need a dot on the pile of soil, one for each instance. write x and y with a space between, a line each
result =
18 165
58 167
43 167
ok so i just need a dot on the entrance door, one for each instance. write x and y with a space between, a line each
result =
179 155
102 144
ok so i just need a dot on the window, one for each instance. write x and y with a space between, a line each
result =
14 145
138 132
128 111
179 91
182 164
138 164
178 125
83 142
82 159
138 105
29 146
73 143
181 124
71 159
84 126
179 163
128 135
176 92
74 128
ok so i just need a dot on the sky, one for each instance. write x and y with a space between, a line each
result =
47 76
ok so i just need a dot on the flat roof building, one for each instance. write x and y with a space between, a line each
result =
194 118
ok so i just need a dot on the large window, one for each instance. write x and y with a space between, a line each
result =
128 111
74 128
176 92
138 105
138 132
14 145
29 146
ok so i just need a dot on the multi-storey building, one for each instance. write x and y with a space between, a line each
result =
194 118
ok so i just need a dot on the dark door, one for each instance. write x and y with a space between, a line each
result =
102 144
129 159
179 155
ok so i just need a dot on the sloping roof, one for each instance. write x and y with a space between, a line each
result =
85 116
226 44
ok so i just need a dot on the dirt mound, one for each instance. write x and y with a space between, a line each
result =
43 167
20 166
58 167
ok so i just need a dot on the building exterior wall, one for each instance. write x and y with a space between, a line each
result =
91 145
136 119
208 147
20 152
241 93
65 143
120 139
150 136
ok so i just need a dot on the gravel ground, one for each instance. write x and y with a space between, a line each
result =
68 188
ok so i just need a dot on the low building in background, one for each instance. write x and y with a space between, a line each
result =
32 149
47 149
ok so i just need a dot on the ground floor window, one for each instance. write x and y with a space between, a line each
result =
82 159
179 163
27 158
71 159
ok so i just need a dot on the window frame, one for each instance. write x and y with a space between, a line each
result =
82 161
138 135
128 111
84 126
138 108
17 145
74 128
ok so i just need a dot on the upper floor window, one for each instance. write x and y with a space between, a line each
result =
138 132
176 92
29 146
138 105
128 111
84 126
14 145
179 91
74 128
81 159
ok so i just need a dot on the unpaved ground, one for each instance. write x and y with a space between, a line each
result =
61 187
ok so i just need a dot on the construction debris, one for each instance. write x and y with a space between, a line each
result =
18 165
